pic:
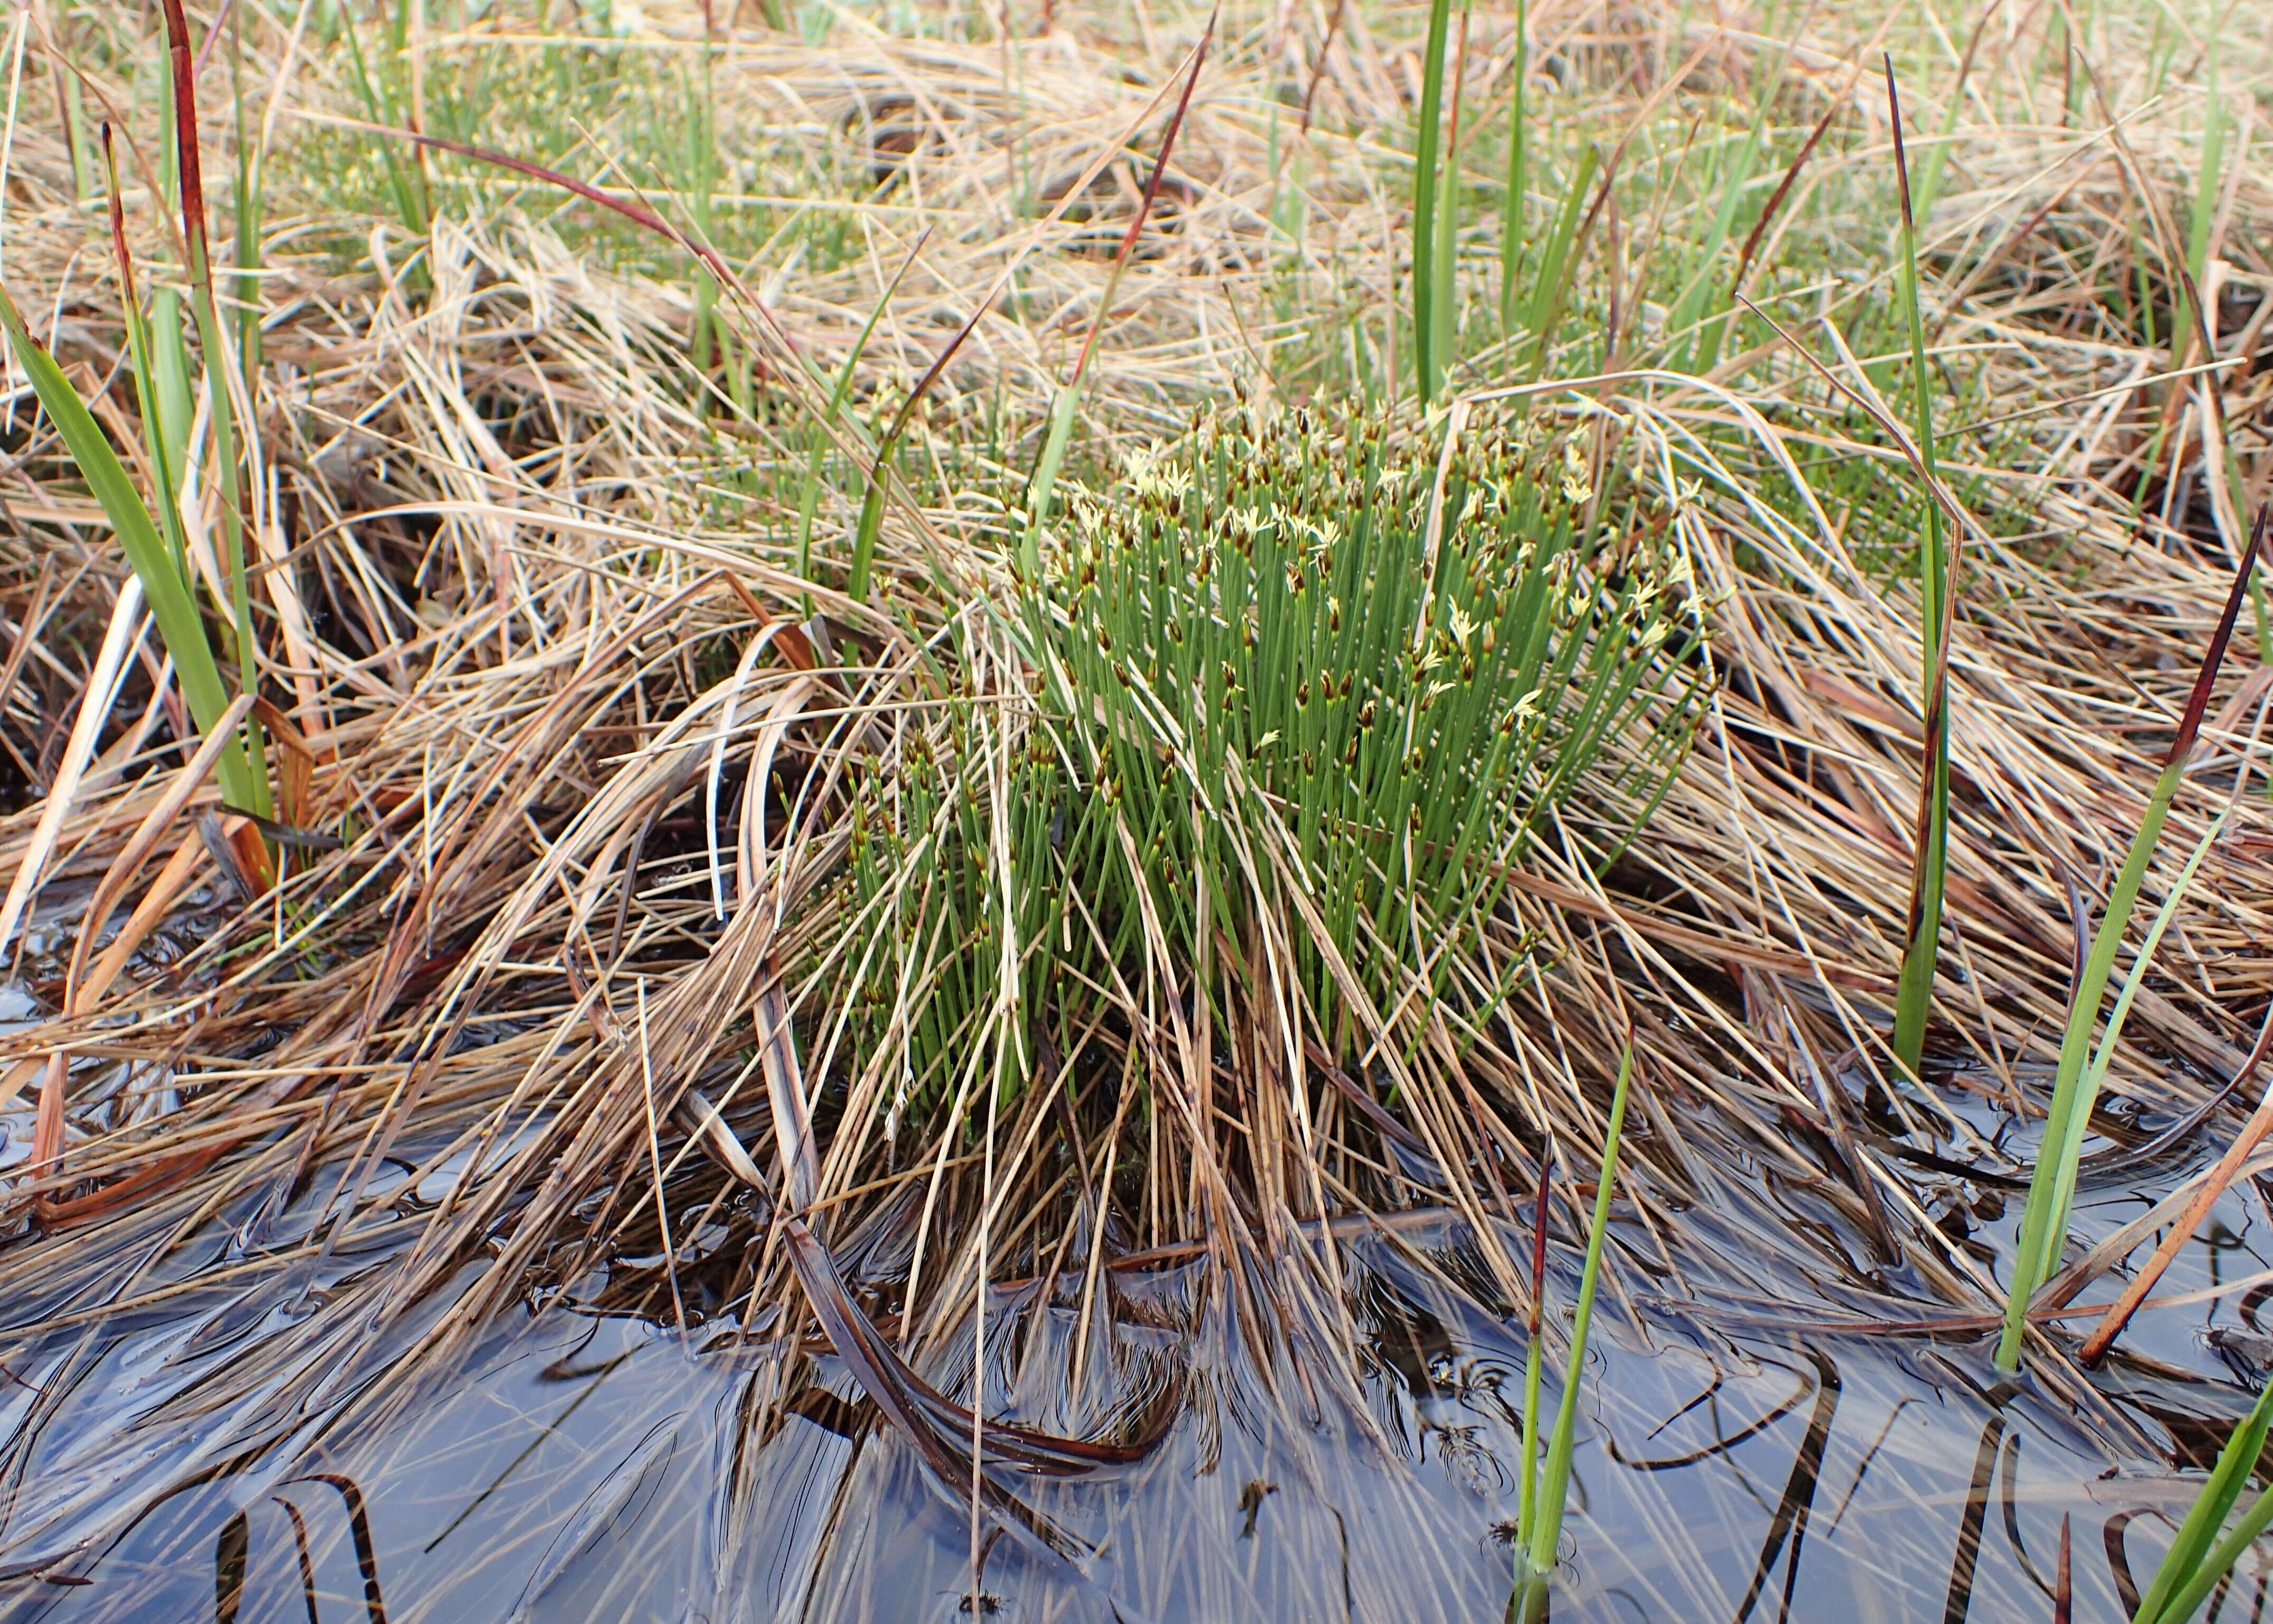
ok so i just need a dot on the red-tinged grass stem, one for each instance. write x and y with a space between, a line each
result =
2044 1225
1914 996
1053 447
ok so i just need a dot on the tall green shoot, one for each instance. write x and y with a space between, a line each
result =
2204 218
1061 430
1552 280
1428 363
2199 1557
170 352
172 604
2043 1226
247 200
1698 334
702 167
405 182
1539 1521
1511 243
1915 990
809 503
141 350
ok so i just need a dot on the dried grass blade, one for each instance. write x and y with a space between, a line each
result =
94 707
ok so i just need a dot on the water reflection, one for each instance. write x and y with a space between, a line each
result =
1738 1461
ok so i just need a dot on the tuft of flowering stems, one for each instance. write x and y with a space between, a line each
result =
1300 688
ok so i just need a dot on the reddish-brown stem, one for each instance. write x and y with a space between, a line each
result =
1539 1239
1145 206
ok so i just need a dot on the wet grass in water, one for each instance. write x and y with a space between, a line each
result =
1544 1493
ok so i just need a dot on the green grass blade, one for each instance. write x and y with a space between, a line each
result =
1914 997
1511 243
402 179
1442 306
1547 1517
148 391
169 380
1527 1490
1426 365
2213 1569
2095 1073
2039 1242
2205 208
1044 479
218 358
701 164
168 595
248 215
2190 1566
1546 292
1046 470
810 503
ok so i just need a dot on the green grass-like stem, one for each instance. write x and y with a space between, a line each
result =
218 360
1428 365
1545 1533
149 385
171 604
1914 997
1555 266
2193 1565
2040 1238
1519 175
1061 409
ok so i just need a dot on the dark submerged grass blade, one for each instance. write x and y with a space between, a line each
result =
2063 1593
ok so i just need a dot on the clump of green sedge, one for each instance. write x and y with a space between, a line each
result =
1275 718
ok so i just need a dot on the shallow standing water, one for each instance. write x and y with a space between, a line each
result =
1750 1449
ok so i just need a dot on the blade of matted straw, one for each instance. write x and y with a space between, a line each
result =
643 216
94 706
931 1415
2182 1233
